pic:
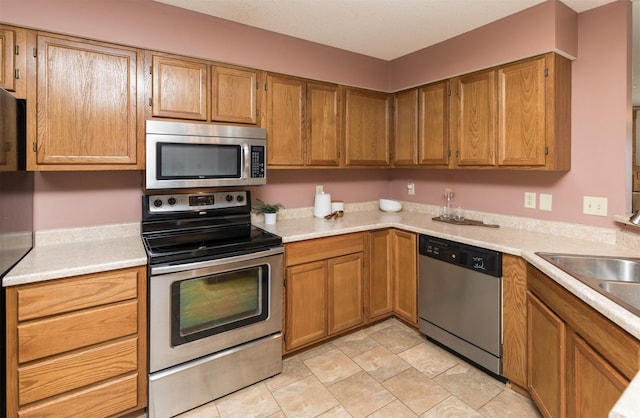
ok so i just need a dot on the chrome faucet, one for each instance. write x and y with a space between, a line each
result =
635 218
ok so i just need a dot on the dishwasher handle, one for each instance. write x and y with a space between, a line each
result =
467 256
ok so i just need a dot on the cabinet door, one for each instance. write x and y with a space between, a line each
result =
596 384
521 113
405 276
285 120
179 88
323 124
405 128
234 96
476 119
346 309
546 360
7 59
514 291
86 103
306 286
433 132
380 274
366 127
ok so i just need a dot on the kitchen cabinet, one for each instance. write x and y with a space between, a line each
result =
475 123
421 126
367 127
515 116
83 109
235 95
13 60
77 346
193 89
405 128
303 121
179 88
324 288
433 133
579 362
514 321
393 275
380 274
405 276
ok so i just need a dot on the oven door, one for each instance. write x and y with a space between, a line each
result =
209 306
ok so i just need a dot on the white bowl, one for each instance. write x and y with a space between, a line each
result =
388 205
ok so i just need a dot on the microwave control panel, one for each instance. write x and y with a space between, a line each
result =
258 161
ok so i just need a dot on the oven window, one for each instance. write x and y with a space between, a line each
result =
198 161
217 303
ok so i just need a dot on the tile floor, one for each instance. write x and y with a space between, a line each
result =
384 371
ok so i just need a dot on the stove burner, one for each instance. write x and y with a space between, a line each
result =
193 231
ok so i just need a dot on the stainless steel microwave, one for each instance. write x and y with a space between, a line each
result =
182 155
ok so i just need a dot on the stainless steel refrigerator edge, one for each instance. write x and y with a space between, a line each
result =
16 202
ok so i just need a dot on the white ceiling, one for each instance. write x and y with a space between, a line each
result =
385 29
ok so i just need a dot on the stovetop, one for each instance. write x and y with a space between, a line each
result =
180 228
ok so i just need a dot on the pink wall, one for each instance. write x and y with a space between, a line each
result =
531 32
601 138
157 26
600 117
297 188
66 200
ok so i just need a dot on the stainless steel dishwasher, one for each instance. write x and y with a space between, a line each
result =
460 302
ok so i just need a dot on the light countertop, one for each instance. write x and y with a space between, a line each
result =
65 253
510 238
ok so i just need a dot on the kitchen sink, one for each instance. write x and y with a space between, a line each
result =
628 292
617 278
601 268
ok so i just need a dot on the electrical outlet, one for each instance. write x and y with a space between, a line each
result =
411 188
319 189
594 205
529 200
545 201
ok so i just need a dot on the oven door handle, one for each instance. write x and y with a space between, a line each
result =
218 262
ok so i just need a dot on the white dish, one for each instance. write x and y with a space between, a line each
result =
388 205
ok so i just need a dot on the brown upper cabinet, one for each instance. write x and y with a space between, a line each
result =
515 116
303 121
13 60
367 127
421 126
83 111
475 119
193 89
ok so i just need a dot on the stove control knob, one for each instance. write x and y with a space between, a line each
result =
157 203
240 198
228 198
172 201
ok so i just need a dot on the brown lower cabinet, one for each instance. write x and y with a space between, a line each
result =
323 288
579 362
336 284
77 346
393 272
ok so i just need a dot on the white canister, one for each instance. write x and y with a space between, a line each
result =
322 205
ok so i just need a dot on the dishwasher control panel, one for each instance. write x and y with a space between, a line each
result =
464 255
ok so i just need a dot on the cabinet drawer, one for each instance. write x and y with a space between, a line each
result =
323 248
121 395
62 333
73 371
82 292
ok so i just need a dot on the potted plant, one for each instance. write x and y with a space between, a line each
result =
269 210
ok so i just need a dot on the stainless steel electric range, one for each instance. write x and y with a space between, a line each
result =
215 298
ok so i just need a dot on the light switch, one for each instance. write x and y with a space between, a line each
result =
545 202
